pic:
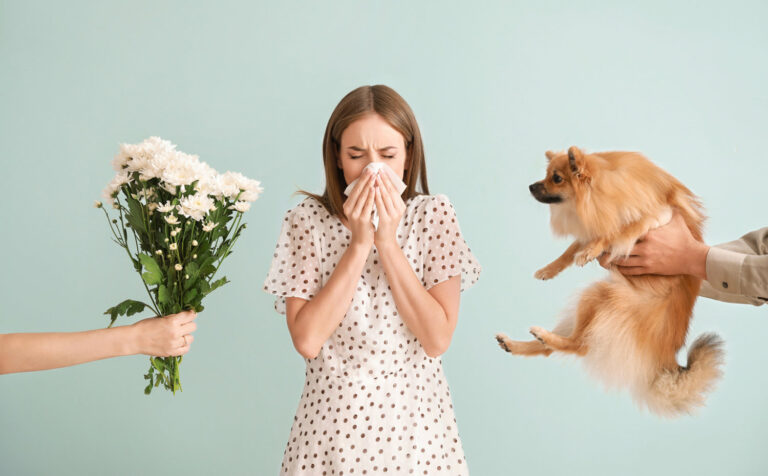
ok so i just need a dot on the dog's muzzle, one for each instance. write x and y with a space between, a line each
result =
540 193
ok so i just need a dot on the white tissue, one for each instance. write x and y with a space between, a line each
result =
377 167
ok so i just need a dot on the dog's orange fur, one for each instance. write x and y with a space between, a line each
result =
608 201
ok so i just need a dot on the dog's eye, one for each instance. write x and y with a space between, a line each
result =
556 178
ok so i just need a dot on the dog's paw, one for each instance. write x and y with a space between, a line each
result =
501 339
584 256
545 273
539 333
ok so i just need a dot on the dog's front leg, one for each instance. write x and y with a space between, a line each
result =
590 251
554 268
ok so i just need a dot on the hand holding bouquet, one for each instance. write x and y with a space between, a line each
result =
177 220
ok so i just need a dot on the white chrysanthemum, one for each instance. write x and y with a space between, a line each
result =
207 180
172 219
241 207
165 207
196 206
178 267
251 195
181 170
113 187
120 160
209 226
228 185
251 191
173 246
148 158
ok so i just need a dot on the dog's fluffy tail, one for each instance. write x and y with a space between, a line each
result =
681 391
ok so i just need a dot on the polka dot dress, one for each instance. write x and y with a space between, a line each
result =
373 401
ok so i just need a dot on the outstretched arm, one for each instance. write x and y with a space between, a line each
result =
165 336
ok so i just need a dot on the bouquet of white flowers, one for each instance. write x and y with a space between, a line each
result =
184 218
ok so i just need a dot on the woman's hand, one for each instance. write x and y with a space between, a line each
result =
164 336
357 208
667 250
390 207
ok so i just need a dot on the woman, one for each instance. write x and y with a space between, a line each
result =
372 309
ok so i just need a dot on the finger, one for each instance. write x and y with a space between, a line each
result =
185 317
631 270
631 261
361 200
603 259
387 197
390 186
362 182
368 208
180 351
189 327
380 202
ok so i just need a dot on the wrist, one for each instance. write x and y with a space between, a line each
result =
129 339
698 261
359 248
385 246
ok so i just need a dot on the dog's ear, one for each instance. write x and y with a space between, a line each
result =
550 155
578 164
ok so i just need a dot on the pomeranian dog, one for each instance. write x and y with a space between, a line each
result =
628 329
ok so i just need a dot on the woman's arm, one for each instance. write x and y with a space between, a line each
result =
430 315
170 335
311 322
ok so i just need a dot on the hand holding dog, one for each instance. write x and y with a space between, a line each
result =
667 250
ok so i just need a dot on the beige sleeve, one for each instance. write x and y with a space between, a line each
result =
737 271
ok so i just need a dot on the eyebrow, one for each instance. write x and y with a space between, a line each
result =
360 149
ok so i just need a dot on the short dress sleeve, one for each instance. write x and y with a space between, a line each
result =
446 254
295 268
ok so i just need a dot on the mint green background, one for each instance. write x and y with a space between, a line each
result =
249 87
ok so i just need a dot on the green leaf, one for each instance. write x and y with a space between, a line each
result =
128 307
135 214
192 271
163 295
217 284
153 275
190 295
158 364
204 287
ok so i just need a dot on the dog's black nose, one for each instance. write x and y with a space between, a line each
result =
534 186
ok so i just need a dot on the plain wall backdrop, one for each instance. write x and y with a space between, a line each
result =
249 87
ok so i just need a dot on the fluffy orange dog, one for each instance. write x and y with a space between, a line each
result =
627 328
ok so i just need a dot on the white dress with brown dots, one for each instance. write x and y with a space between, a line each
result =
373 401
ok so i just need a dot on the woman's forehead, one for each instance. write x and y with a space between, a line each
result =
371 131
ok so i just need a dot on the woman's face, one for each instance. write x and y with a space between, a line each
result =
371 139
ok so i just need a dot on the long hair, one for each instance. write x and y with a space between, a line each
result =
385 102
